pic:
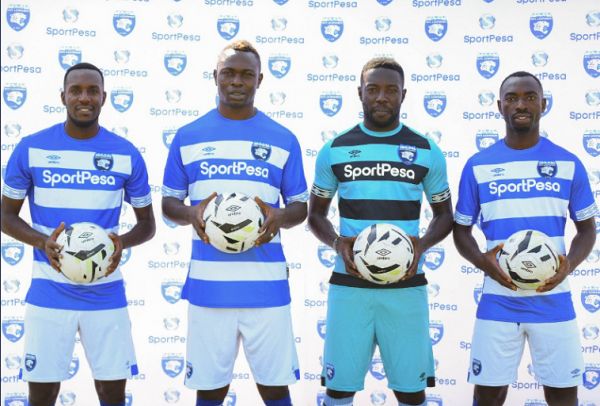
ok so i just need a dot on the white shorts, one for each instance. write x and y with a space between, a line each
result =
213 341
497 348
50 339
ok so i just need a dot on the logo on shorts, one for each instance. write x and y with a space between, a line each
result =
172 364
591 376
73 367
436 332
547 169
261 151
329 371
376 369
30 362
103 162
476 366
189 369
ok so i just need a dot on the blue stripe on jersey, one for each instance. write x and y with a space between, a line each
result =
231 293
70 180
501 229
256 156
270 252
531 309
46 293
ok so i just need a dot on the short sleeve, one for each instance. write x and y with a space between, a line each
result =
468 205
582 205
137 189
325 184
293 182
18 178
435 182
175 179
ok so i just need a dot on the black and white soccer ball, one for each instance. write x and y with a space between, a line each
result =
232 222
86 249
529 258
383 253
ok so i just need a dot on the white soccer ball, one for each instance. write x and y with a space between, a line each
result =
383 253
232 222
86 249
529 258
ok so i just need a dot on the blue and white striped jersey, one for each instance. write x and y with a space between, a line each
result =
256 157
380 177
504 190
70 180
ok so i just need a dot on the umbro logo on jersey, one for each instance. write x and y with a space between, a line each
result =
355 153
498 171
53 159
208 150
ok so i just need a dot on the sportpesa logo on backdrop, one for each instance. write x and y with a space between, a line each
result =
228 26
17 16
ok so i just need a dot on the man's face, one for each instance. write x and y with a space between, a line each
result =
83 96
521 103
237 77
381 93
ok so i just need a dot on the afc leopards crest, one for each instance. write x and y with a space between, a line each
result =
477 292
321 328
326 255
189 369
434 103
590 299
175 62
436 332
436 28
320 398
121 99
332 28
279 65
434 258
125 256
331 103
541 24
103 161
261 151
549 102
280 2
230 399
13 329
168 135
30 362
172 364
378 398
487 64
376 369
407 154
228 27
591 143
547 169
476 366
591 63
124 22
73 367
384 2
486 138
17 17
15 399
591 376
12 252
329 371
68 57
14 95
171 291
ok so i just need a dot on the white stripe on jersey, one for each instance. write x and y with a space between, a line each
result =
48 230
17 194
201 189
59 198
521 170
38 158
232 150
237 271
492 287
42 270
557 242
528 207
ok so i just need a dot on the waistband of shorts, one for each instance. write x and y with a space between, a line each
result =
354 282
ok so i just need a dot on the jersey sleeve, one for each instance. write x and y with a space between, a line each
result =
582 205
137 189
18 178
325 184
175 179
468 205
293 182
435 182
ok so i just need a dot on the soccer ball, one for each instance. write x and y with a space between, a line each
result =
529 258
86 249
232 222
383 253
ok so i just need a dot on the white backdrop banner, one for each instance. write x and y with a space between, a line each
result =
158 56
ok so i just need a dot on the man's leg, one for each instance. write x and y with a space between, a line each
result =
43 394
489 395
410 398
111 393
213 397
275 395
561 396
338 398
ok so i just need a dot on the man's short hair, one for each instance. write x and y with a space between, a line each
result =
384 63
521 74
241 46
82 65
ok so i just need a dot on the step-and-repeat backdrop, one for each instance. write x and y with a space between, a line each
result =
158 56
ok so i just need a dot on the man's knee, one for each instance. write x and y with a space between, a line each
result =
43 394
561 396
273 392
410 398
111 391
490 395
218 394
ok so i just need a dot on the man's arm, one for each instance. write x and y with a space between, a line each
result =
180 213
322 228
581 246
14 226
293 214
486 261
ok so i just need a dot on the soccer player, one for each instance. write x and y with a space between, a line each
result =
378 182
237 297
72 172
523 182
